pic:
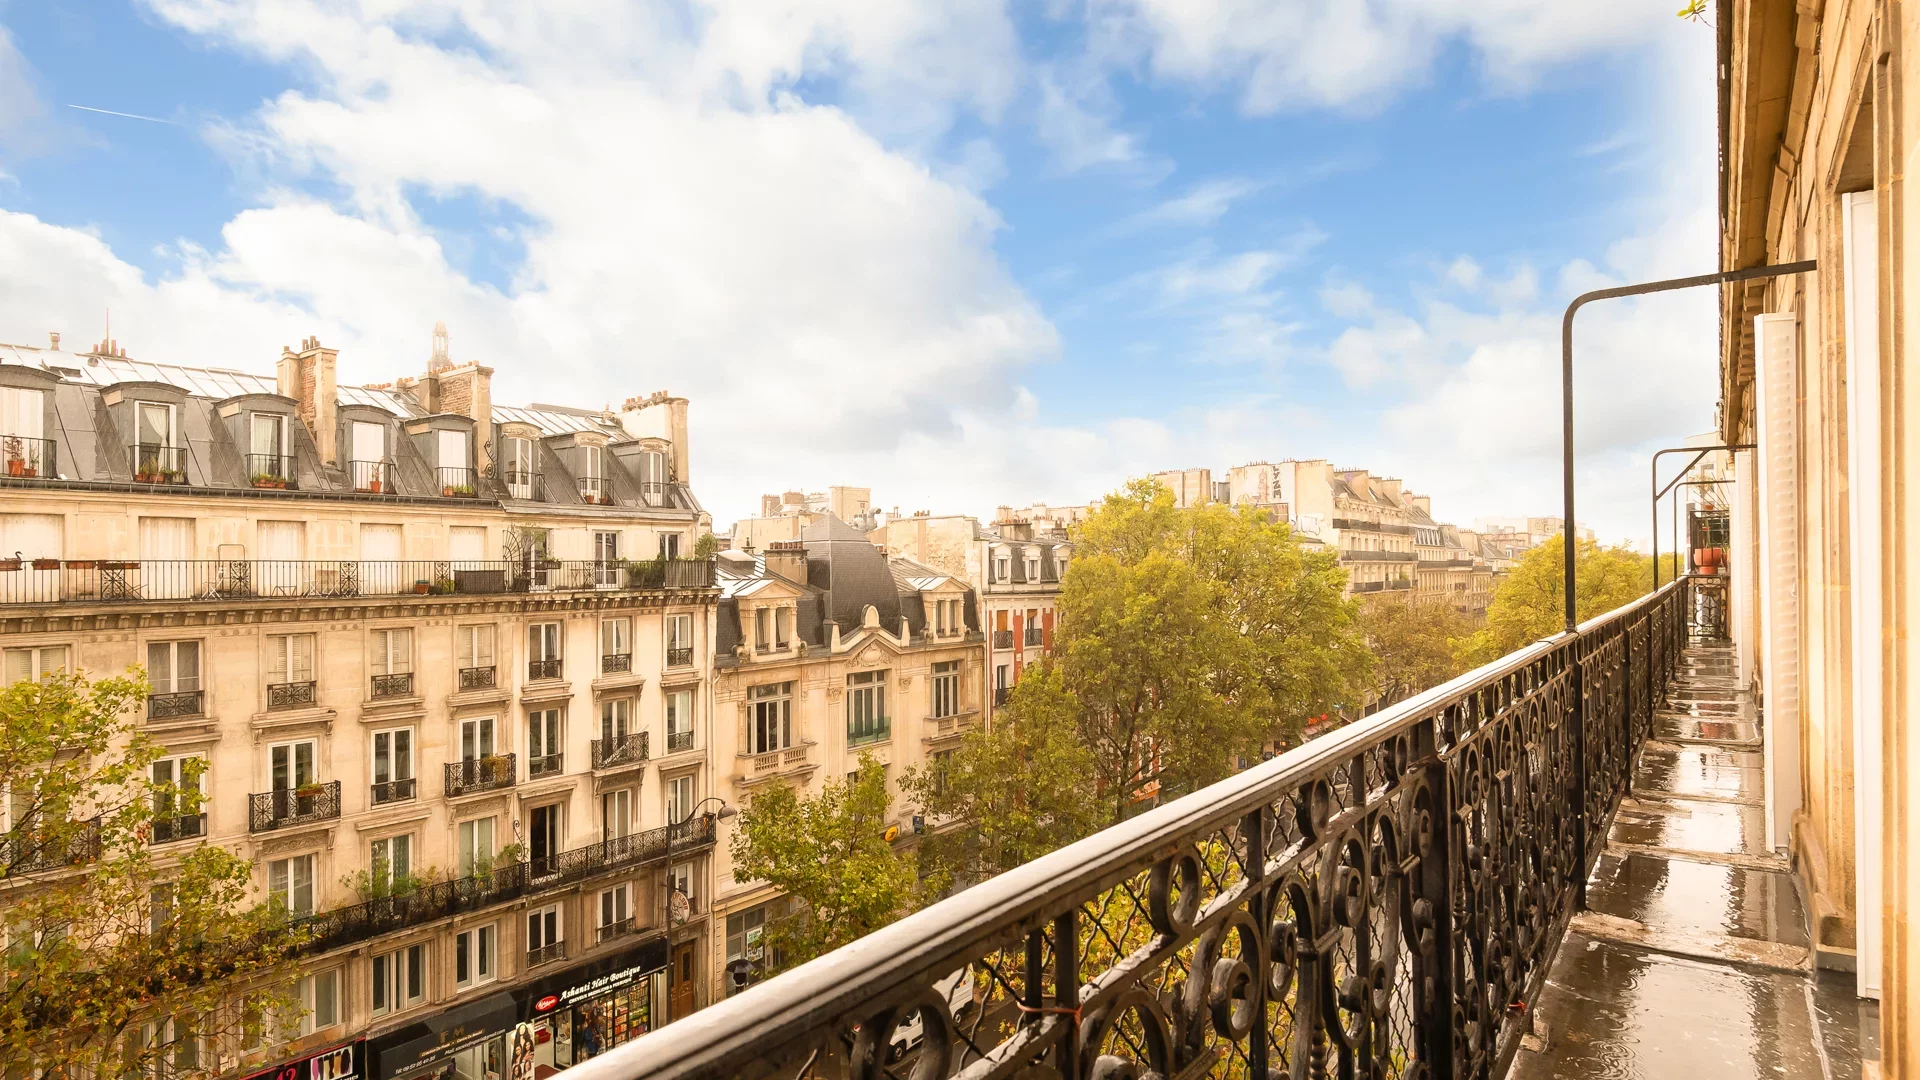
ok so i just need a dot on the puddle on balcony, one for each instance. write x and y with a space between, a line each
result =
1724 828
1697 770
1615 1012
1668 725
1699 898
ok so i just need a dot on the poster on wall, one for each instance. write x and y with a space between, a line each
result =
520 1051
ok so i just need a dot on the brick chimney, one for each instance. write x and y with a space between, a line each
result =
788 559
307 377
660 415
464 390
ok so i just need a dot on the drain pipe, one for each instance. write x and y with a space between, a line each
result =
1566 384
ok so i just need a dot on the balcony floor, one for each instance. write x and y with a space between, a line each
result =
1693 957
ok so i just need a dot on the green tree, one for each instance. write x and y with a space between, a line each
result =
830 853
1022 789
706 547
1191 638
1530 603
111 946
1413 645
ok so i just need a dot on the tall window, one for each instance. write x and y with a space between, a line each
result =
616 720
771 718
290 881
178 806
289 658
154 424
392 652
615 910
1033 567
543 929
669 545
320 998
1002 569
32 665
269 446
173 667
476 738
616 637
606 559
866 706
22 413
518 465
473 956
679 640
399 979
593 473
392 762
543 651
616 813
474 645
292 764
390 862
476 844
653 477
946 688
543 741
679 799
679 720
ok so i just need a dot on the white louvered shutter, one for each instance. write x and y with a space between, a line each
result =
1776 366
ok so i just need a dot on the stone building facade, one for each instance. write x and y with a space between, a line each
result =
445 664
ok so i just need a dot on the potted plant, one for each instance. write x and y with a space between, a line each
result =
46 564
268 480
89 564
16 456
465 491
309 790
176 476
493 767
421 586
12 563
443 586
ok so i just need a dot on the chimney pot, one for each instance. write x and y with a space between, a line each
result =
55 336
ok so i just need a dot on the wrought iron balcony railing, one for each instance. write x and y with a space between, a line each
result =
1001 693
153 463
292 695
1385 900
178 827
616 663
679 740
392 791
175 705
476 678
621 750
27 850
371 477
617 928
1034 636
679 656
394 684
523 484
52 580
272 471
481 774
1003 639
24 458
544 668
544 765
441 899
546 954
456 482
284 807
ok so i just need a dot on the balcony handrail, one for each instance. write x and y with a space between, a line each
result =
28 457
1370 824
436 900
118 581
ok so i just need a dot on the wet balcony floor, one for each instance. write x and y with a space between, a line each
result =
1692 959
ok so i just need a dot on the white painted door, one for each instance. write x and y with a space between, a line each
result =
166 545
381 569
1861 285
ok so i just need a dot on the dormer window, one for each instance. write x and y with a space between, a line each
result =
456 463
517 468
772 629
268 463
946 618
593 474
1002 569
370 471
653 477
23 449
1033 567
158 457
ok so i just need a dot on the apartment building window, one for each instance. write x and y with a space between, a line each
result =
543 742
679 720
179 807
679 799
392 765
32 665
291 765
290 881
653 477
320 997
1001 686
946 688
616 646
290 682
160 903
399 979
173 675
476 738
1033 567
616 813
392 663
473 956
867 707
517 465
680 880
606 559
746 940
771 717
175 1049
475 845
1002 569
942 765
669 545
543 935
543 651
616 911
390 862
679 640
473 647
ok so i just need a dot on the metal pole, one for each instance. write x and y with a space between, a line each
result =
1566 384
1653 479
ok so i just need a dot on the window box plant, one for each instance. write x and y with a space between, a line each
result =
108 565
176 476
421 586
89 564
270 481
148 476
46 564
308 791
442 586
10 564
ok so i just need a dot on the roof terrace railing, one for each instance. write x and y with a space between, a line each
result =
1385 900
95 581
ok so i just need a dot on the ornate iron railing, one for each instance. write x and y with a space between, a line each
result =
273 471
476 678
180 827
548 668
616 663
1003 639
1383 901
27 849
177 704
629 749
679 656
1034 635
396 684
456 482
23 457
391 791
481 774
291 695
282 807
440 899
679 740
546 954
52 580
544 765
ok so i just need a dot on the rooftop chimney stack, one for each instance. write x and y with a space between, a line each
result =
307 377
788 559
463 389
55 338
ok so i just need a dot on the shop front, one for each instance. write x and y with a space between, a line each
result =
533 1031
346 1061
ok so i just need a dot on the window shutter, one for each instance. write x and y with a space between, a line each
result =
1777 406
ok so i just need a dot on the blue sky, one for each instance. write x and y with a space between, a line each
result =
967 254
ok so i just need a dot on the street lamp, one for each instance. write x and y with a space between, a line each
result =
667 890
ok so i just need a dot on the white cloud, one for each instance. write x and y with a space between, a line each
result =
1075 123
1202 204
1307 53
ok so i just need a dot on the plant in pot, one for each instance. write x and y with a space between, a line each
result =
11 563
176 476
443 586
268 480
16 450
493 767
309 790
421 586
46 564
464 491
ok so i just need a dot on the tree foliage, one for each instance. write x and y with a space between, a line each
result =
1530 603
1022 789
1413 645
106 936
830 853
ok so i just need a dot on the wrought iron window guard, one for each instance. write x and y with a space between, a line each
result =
544 765
175 705
615 663
476 678
680 657
548 668
679 740
25 850
1385 900
397 684
178 827
291 695
283 807
629 749
481 774
393 791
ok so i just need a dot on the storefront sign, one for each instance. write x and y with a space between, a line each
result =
343 1062
546 1004
612 980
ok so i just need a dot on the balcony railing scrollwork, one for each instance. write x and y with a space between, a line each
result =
476 678
1383 901
284 807
26 850
175 705
166 830
629 749
481 774
396 684
616 663
679 656
502 884
392 791
546 668
679 740
544 765
291 695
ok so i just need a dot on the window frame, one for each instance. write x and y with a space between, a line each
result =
476 952
289 891
770 709
174 678
403 982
